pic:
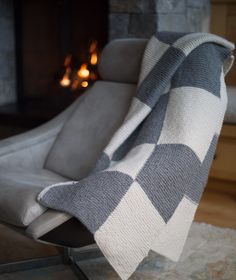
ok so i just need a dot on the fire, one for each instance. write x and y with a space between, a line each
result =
93 53
65 81
83 76
75 85
94 58
83 72
67 61
84 84
93 46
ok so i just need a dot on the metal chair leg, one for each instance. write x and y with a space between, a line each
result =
69 259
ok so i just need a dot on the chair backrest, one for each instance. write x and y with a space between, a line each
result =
99 112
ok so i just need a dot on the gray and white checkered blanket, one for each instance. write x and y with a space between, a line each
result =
146 186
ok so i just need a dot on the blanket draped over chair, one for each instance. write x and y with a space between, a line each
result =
144 191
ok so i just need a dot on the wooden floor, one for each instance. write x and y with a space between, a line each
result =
218 204
16 247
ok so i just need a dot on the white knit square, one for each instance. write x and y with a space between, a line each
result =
193 117
136 114
171 241
134 161
126 236
153 53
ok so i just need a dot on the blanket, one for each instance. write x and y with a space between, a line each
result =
146 186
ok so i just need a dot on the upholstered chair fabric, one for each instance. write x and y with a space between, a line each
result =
89 129
120 60
67 147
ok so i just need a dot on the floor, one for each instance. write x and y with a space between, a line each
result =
57 272
218 204
14 247
209 254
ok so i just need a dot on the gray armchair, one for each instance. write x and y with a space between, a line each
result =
66 149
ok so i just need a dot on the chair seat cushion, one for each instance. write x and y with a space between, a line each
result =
18 194
48 221
61 229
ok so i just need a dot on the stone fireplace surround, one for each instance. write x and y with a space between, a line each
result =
7 53
142 18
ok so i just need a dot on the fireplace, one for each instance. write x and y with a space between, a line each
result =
49 41
48 32
45 47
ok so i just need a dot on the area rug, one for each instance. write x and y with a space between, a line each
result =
209 253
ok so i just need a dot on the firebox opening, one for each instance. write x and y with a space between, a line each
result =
57 46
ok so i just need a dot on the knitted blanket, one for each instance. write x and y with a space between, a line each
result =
146 186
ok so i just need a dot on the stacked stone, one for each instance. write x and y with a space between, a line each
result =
7 53
142 18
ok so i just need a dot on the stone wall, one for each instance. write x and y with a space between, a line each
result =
142 18
7 53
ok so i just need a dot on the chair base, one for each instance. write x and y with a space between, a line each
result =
68 258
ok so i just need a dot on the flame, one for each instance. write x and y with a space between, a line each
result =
93 46
84 76
83 72
65 81
67 60
75 85
84 84
93 53
94 58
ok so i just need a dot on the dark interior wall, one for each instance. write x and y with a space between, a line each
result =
48 31
41 55
7 53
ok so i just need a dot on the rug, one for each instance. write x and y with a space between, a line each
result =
209 254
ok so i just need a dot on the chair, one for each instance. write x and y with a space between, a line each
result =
64 149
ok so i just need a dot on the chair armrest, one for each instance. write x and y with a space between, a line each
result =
30 149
